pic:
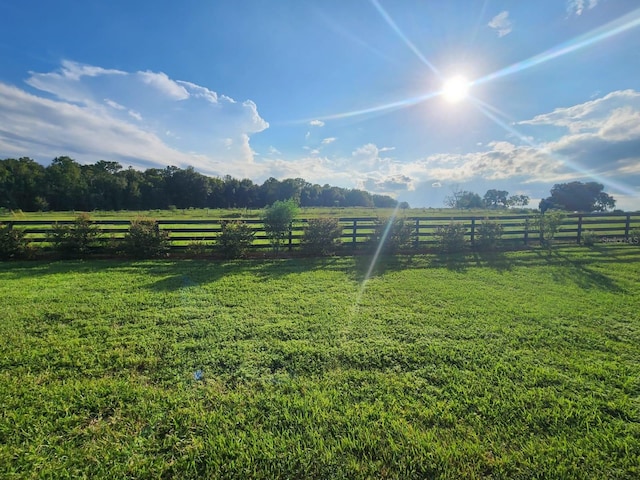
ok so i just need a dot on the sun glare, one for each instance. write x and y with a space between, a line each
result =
455 89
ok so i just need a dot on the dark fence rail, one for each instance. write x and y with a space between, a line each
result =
517 229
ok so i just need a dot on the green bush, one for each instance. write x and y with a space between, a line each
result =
277 219
235 239
489 235
322 236
589 238
75 239
451 238
398 235
145 239
634 237
548 225
12 243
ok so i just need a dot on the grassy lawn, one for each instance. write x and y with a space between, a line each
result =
516 365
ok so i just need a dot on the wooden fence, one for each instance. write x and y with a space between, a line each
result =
517 229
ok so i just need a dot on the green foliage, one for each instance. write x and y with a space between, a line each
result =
451 238
589 238
548 225
145 239
578 196
75 239
634 236
13 244
489 235
277 219
395 232
235 239
322 236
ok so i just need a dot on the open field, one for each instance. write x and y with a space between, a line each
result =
515 365
222 213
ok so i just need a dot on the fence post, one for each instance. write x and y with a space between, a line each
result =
355 230
473 231
416 242
290 236
579 229
526 231
627 227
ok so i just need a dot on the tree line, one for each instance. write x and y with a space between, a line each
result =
105 185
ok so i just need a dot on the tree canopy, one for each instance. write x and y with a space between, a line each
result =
578 196
67 185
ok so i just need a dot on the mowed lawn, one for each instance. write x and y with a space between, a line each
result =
516 365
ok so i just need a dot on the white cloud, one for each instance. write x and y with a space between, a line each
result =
316 123
95 113
328 140
501 24
577 7
164 84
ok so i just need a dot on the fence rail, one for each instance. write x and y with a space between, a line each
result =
517 229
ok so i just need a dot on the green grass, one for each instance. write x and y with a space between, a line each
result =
518 365
223 213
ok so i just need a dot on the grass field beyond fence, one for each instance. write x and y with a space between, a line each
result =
515 365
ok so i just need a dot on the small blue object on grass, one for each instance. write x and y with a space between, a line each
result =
198 375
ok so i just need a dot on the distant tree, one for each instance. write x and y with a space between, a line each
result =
496 198
66 185
358 198
518 201
404 205
21 183
578 196
384 201
463 200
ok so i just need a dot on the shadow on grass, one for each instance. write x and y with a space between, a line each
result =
575 269
173 274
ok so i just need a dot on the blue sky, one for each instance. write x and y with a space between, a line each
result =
345 92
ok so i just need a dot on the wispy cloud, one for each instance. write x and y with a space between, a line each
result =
577 7
328 140
316 123
501 24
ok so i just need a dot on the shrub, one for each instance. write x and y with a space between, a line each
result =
450 238
198 248
12 243
398 235
75 239
489 235
277 220
235 239
589 238
145 239
548 225
322 236
634 237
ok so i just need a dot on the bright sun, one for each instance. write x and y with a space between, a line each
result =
455 89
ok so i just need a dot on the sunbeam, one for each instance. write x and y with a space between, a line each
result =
489 110
374 259
615 27
383 13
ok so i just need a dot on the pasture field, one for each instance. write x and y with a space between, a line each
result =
511 365
255 213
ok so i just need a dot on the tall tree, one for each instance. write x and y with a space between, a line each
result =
66 185
496 198
578 196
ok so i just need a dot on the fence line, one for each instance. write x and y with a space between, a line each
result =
517 229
